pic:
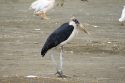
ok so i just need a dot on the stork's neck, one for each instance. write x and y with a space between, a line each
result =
72 23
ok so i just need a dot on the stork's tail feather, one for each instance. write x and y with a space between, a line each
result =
43 51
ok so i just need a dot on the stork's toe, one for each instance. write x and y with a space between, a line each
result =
60 74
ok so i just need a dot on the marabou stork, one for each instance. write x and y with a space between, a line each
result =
60 37
122 18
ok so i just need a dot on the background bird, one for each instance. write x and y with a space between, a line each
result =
60 37
40 7
84 0
122 18
61 3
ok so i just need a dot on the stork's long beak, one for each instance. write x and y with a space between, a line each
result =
82 28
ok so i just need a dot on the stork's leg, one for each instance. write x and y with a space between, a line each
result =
54 62
61 58
60 71
56 65
59 68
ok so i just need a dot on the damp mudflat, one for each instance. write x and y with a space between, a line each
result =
98 57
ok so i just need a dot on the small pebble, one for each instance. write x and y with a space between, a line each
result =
31 76
71 52
109 42
37 29
36 43
95 26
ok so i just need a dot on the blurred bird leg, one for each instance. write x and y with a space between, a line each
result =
41 14
60 3
38 13
82 28
122 23
45 16
57 4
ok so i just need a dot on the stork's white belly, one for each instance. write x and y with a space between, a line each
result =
75 31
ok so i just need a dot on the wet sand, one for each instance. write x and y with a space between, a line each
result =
95 58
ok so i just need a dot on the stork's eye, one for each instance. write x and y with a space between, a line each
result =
76 21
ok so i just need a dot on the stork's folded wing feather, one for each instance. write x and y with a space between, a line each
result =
59 35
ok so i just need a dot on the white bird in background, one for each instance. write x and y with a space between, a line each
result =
122 19
40 7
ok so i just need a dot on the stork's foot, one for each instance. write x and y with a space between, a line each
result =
60 74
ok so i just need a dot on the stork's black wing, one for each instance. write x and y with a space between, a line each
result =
59 35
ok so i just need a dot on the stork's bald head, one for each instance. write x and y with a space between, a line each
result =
81 27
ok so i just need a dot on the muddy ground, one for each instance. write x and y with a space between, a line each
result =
95 58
